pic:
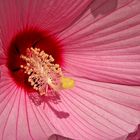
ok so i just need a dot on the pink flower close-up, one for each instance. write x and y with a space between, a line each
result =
69 69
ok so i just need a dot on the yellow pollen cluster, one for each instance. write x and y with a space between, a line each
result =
43 73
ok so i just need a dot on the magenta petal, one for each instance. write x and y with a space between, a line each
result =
51 15
105 47
2 55
134 135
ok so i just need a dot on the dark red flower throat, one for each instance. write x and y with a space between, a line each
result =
30 38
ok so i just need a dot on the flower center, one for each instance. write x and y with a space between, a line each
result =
34 60
43 73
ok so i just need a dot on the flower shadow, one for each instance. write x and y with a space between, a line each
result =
55 99
49 99
103 7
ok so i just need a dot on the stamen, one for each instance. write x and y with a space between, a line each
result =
43 73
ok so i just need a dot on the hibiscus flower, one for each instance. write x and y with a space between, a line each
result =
69 69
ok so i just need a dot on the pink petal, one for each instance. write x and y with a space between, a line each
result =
111 110
92 110
19 118
105 46
58 137
51 15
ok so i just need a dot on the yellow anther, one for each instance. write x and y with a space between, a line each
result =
67 83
